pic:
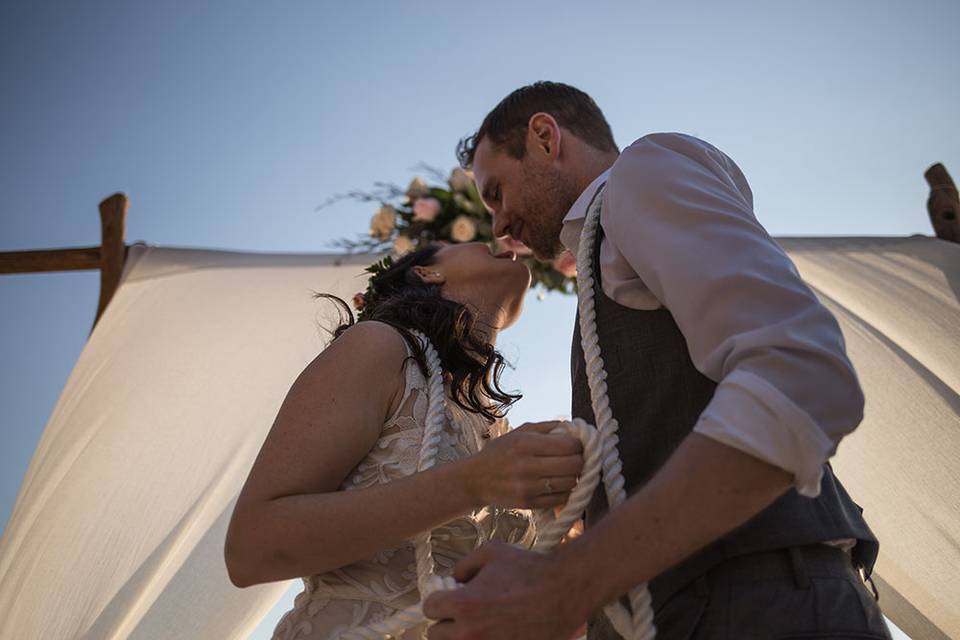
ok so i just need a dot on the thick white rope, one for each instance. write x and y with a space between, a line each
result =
600 455
640 625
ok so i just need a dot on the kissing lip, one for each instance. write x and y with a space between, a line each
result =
517 233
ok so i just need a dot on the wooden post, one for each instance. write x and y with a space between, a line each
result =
108 257
113 251
943 205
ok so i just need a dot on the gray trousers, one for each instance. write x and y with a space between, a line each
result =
810 592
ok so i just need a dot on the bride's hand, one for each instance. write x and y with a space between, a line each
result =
527 468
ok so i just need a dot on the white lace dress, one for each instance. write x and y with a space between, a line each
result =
378 586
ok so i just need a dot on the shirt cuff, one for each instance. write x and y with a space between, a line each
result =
750 414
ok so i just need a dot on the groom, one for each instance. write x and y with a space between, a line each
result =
728 378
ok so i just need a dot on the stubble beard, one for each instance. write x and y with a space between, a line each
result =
549 205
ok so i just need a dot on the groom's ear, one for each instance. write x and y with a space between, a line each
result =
544 134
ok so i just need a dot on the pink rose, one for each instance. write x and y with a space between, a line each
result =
358 301
566 264
426 209
507 243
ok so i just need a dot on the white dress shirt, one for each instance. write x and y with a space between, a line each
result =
679 232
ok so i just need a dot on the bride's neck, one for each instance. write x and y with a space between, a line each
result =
487 318
487 322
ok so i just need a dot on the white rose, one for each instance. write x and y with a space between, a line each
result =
418 189
463 230
426 209
402 245
460 180
383 222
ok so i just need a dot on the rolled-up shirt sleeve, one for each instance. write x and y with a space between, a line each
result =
681 214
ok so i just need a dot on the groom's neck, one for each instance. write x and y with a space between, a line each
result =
591 163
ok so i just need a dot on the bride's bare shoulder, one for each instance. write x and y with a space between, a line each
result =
380 334
369 344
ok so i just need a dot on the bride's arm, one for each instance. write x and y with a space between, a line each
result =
290 520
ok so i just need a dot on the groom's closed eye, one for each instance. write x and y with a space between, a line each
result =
491 192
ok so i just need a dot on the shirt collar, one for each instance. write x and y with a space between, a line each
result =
579 209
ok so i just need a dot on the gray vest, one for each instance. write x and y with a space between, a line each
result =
657 395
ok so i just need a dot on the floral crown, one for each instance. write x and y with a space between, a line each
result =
363 301
447 208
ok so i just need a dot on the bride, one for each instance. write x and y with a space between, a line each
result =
334 497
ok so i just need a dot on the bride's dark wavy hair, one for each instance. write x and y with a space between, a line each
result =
406 302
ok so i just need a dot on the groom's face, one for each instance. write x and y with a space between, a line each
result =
528 198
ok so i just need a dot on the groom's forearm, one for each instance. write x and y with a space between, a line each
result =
704 490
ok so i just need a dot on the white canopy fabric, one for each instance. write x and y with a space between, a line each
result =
118 528
897 303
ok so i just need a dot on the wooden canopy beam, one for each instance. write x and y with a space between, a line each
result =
943 204
50 260
109 257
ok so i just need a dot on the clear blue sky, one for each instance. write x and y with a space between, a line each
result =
226 123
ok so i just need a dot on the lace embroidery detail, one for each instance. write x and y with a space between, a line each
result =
377 587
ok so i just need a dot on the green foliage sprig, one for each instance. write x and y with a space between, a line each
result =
363 300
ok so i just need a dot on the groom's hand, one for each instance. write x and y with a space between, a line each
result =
511 594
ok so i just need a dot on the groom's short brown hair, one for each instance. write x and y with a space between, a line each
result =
506 125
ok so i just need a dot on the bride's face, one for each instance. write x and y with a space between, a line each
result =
470 273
